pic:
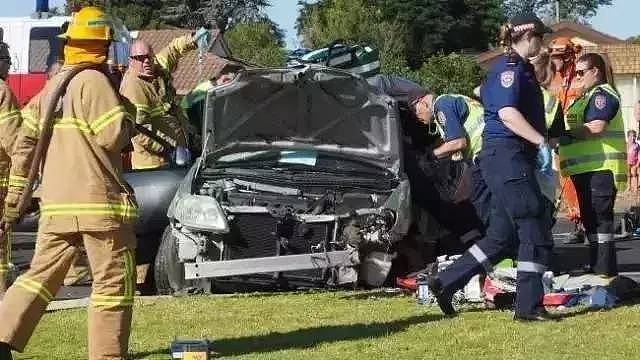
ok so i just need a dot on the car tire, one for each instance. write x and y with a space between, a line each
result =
169 270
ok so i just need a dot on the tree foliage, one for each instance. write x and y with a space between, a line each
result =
449 74
444 25
136 14
573 10
222 14
257 44
145 14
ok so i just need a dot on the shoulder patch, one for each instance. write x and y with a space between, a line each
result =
600 101
507 78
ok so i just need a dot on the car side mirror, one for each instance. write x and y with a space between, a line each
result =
182 156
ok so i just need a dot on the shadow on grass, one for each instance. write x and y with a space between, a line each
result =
375 294
307 338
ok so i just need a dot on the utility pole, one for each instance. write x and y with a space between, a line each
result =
557 11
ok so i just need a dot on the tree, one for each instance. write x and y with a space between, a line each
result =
256 43
136 14
222 14
145 14
574 10
449 74
444 25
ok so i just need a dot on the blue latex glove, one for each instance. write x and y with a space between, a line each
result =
201 38
544 158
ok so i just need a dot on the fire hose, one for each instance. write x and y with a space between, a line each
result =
43 143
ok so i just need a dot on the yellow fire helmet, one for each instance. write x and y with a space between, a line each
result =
90 23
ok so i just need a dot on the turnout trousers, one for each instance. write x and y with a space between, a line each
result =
5 261
111 255
596 196
518 221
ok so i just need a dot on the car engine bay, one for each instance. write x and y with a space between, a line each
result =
293 214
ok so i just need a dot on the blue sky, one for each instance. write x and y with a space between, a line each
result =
619 20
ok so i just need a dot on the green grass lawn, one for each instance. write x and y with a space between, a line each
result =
347 325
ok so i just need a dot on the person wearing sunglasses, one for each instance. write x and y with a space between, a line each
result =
593 154
10 121
514 149
147 86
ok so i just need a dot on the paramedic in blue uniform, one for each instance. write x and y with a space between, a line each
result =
421 161
514 147
593 153
461 122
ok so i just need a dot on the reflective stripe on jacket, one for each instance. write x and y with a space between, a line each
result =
78 193
606 152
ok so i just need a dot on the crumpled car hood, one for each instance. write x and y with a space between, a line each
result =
310 107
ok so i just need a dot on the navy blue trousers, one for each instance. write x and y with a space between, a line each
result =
518 221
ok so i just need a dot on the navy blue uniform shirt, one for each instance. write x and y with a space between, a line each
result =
511 82
452 112
602 106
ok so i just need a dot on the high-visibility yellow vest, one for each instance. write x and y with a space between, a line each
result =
551 105
473 125
606 152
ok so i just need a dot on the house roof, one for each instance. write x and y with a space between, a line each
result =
624 58
572 29
188 73
581 34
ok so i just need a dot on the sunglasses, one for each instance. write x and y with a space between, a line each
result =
581 72
6 59
140 58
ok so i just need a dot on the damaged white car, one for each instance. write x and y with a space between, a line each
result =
300 184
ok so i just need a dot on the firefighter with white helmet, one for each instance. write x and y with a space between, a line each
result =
84 200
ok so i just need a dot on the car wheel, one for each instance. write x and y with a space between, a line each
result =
169 270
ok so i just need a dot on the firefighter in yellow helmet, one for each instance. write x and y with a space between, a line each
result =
9 125
84 200
147 85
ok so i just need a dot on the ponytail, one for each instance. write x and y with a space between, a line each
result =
506 41
505 36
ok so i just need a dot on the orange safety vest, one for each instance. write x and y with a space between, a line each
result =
564 89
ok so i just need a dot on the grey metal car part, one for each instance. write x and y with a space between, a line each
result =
312 108
209 269
267 188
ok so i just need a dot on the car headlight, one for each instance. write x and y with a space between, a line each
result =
201 213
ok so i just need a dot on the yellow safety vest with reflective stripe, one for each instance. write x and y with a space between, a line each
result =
606 152
473 125
551 105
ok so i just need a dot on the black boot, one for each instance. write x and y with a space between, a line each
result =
443 296
5 351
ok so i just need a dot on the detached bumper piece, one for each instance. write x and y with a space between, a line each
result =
321 260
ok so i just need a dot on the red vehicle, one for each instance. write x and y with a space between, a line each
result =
34 46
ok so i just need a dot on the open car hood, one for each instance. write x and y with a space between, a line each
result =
307 108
